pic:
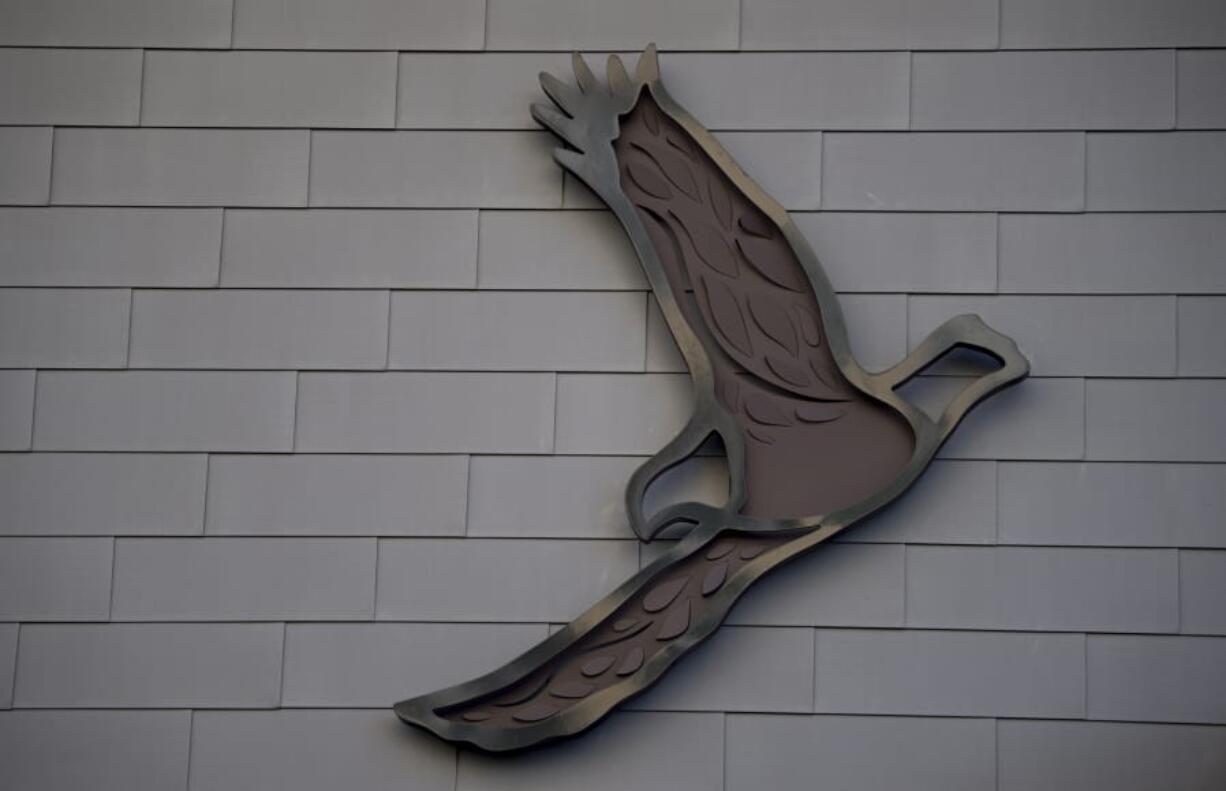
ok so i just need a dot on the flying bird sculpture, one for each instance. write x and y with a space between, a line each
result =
814 442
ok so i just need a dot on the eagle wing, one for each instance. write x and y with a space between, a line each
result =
726 272
734 273
733 264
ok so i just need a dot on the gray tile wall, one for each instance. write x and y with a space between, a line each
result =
319 384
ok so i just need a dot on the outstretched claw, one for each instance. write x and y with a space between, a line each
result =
619 80
573 161
648 69
587 112
566 97
553 120
583 75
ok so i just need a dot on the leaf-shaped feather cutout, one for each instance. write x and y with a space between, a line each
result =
621 636
597 665
650 119
721 201
825 377
674 167
808 325
765 440
788 371
535 712
763 254
682 144
647 179
710 245
726 314
752 551
632 662
676 623
771 319
664 240
753 222
571 689
663 594
762 409
713 580
526 692
818 413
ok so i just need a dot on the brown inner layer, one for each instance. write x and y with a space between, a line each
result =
616 648
814 442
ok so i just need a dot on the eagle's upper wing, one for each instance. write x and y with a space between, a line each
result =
751 292
742 294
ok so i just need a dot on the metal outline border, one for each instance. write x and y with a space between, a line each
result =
965 331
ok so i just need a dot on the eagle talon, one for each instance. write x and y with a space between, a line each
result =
586 114
553 120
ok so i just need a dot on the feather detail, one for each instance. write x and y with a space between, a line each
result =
750 289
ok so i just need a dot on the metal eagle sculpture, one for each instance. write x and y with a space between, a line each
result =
814 442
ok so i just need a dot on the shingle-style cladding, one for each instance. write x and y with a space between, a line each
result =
55 579
114 749
25 164
64 327
8 662
266 579
71 86
149 665
101 247
123 23
261 329
319 385
104 494
138 410
181 167
16 409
